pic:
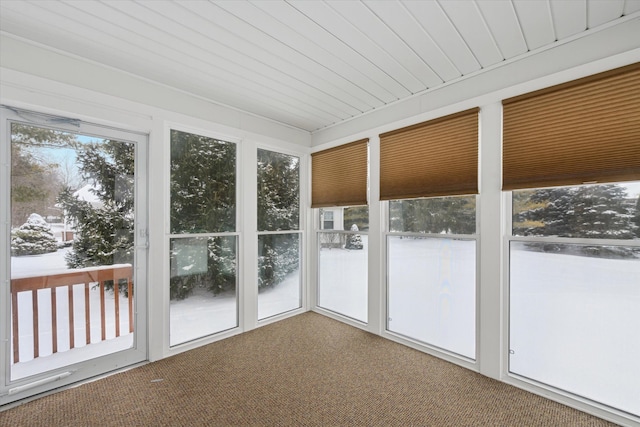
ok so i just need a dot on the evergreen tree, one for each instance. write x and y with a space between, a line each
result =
434 215
203 188
354 241
636 217
278 209
34 237
35 182
589 211
104 233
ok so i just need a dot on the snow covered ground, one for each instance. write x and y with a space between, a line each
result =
574 324
203 313
343 285
573 319
432 287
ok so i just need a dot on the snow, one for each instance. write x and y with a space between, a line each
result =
574 324
432 292
26 266
343 285
573 320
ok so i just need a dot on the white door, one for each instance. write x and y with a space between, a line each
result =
74 248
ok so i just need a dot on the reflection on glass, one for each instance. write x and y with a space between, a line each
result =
278 274
343 284
203 184
202 287
72 239
570 313
432 292
601 211
436 215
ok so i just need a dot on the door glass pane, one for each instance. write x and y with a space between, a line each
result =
202 287
203 274
343 286
278 274
72 248
574 314
432 285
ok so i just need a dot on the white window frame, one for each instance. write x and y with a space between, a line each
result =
538 387
470 363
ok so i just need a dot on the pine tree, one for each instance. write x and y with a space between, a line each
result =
34 237
589 211
434 215
278 209
636 217
104 233
203 188
355 240
35 181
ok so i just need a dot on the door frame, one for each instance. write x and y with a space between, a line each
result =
11 391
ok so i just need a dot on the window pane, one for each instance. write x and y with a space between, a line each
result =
203 184
573 324
605 211
432 291
278 274
344 218
343 284
72 240
202 287
438 215
278 191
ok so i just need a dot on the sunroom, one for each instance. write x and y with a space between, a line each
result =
462 178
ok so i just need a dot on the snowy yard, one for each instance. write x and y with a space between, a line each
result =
573 319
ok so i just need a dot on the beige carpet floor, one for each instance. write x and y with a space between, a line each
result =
307 370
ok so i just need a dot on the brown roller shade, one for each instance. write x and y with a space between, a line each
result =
434 158
339 175
584 131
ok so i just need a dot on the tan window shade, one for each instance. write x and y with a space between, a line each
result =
587 130
434 158
339 175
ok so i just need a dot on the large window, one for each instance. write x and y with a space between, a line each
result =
431 251
574 288
279 236
339 190
203 239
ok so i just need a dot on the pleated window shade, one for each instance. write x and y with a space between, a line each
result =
339 175
584 131
434 158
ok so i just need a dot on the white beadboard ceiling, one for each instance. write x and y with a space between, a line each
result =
308 64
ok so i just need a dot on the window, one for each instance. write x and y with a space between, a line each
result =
574 290
343 261
339 188
429 174
431 249
327 219
203 237
279 236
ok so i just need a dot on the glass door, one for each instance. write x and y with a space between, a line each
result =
76 250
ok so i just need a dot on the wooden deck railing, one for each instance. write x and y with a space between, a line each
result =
120 275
